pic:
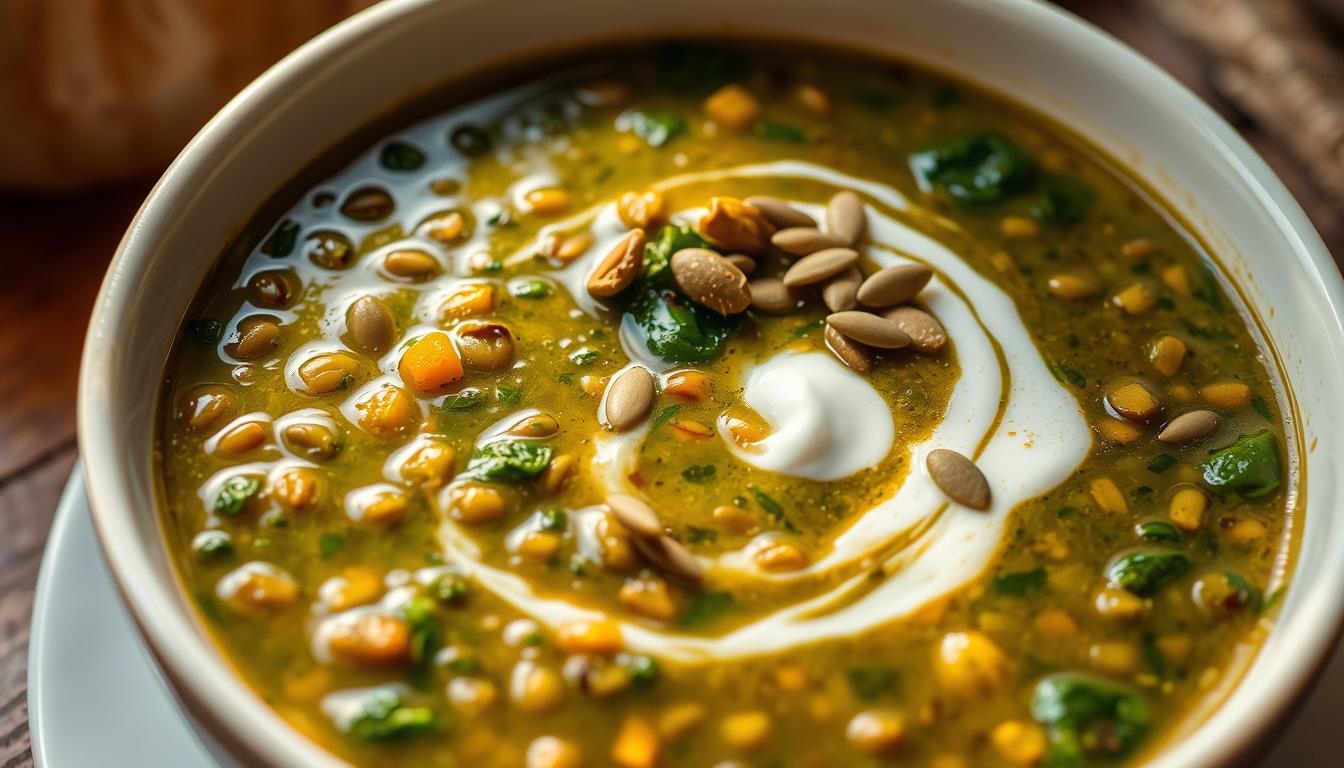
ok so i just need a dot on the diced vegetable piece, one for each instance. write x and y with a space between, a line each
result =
383 718
235 494
509 461
1250 466
975 169
1087 717
431 362
1145 572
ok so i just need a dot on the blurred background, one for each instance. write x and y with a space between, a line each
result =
98 96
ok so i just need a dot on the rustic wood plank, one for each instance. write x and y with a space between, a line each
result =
26 506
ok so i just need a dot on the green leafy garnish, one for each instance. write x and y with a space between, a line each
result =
1157 530
1019 583
871 683
467 398
1208 290
1161 463
1070 375
508 461
1249 466
1086 716
382 718
282 240
1143 573
663 416
530 288
470 140
679 331
554 519
975 169
508 395
584 356
698 473
419 613
706 609
671 238
400 156
644 671
775 130
696 535
1261 407
235 494
451 588
212 543
773 508
657 128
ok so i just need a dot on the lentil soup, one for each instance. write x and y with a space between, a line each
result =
728 406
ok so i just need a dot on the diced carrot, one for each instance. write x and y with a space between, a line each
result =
431 363
636 744
470 301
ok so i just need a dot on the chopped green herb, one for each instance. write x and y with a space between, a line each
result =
235 494
419 613
663 416
1019 583
531 288
1161 463
1064 512
1261 407
644 671
1208 290
212 543
508 461
470 140
1076 708
1157 530
466 399
1143 573
698 473
1152 655
1063 200
510 395
584 356
451 588
1073 377
772 508
696 535
501 218
383 718
281 242
554 519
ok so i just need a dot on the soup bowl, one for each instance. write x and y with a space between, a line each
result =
386 57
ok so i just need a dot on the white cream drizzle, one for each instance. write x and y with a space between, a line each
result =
1032 432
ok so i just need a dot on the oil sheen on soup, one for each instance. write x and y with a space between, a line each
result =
728 405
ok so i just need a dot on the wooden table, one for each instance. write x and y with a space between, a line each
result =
55 254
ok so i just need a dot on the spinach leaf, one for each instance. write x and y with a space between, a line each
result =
644 671
871 683
657 128
470 140
329 544
1019 583
1249 466
1086 716
212 543
382 718
530 288
663 416
677 330
1063 200
206 331
451 588
281 242
705 610
419 613
235 494
1157 530
671 238
1146 571
976 169
509 461
467 398
1161 463
698 473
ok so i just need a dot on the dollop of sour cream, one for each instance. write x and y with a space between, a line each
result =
826 422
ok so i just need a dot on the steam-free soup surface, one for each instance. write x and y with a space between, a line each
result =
727 406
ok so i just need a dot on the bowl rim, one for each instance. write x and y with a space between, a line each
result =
207 683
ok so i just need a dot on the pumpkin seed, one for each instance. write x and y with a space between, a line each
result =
255 337
368 204
819 266
274 288
744 263
894 285
925 332
1189 427
619 268
845 217
709 280
959 478
536 425
841 292
485 346
637 517
327 373
800 241
629 399
851 353
869 329
780 213
771 296
672 558
371 327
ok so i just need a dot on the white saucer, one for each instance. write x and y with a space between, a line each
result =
95 697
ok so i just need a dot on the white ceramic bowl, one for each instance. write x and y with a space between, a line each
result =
384 57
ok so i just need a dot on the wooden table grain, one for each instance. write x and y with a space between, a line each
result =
54 253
